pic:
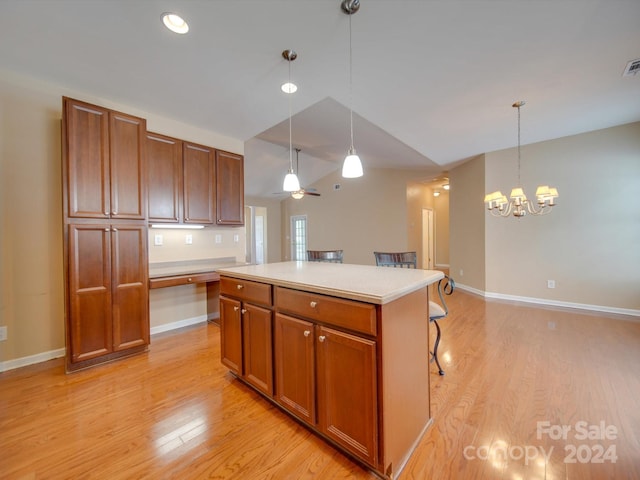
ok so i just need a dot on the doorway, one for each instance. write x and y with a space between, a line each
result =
428 239
256 234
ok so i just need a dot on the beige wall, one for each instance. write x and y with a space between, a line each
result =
31 268
590 244
441 220
374 212
467 224
274 226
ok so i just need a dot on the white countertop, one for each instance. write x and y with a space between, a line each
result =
365 283
190 267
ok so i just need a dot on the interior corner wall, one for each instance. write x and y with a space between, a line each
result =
467 224
442 229
274 226
589 243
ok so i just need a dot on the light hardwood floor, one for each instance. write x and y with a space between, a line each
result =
176 412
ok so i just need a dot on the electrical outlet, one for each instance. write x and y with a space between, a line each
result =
157 239
3 333
218 238
188 239
236 238
461 272
551 284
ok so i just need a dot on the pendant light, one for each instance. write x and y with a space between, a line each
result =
291 182
352 167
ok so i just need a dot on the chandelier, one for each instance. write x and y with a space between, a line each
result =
518 204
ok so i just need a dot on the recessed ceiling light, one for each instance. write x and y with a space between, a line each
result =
289 87
174 22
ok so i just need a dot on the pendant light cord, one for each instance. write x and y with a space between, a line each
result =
350 82
519 184
290 137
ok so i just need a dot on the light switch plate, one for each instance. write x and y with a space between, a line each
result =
236 238
157 239
188 239
218 238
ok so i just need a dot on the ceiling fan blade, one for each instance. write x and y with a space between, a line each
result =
315 194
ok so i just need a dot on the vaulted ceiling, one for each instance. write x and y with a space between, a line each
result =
433 80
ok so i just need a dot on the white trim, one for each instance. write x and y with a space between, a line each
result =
628 312
165 327
31 359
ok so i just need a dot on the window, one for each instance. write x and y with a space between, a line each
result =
299 237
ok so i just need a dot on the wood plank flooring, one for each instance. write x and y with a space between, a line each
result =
176 413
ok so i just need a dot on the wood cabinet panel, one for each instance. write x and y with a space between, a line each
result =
254 292
257 347
86 160
90 332
129 273
294 358
229 188
127 166
357 316
231 334
164 184
199 170
347 392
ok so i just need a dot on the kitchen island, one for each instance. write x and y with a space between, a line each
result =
343 348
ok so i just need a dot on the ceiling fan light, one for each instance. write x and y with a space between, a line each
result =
291 182
297 194
352 166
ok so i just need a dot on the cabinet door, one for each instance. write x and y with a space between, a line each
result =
229 188
199 183
130 283
257 341
295 366
89 315
231 334
86 160
347 392
127 166
164 173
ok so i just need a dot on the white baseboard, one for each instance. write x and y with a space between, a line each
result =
180 324
31 359
629 313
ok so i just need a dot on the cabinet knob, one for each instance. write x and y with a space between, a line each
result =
114 229
239 287
244 310
106 229
235 309
322 338
115 212
106 214
313 304
189 279
186 218
307 333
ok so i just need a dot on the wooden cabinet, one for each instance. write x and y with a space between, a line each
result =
246 331
105 234
199 173
108 290
190 183
104 163
229 188
295 366
339 366
164 187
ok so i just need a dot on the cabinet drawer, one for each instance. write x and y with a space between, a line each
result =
254 292
357 316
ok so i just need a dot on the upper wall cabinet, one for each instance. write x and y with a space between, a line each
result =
165 178
199 170
105 162
190 183
230 188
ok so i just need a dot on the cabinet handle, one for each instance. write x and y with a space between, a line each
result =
235 309
244 310
322 338
307 333
313 304
239 287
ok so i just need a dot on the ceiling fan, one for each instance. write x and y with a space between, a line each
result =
298 194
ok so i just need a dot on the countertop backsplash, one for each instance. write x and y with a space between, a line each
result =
209 242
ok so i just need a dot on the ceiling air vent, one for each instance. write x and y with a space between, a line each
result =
632 68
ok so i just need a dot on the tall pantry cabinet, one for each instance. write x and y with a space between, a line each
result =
105 234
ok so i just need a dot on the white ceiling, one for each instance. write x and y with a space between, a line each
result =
433 80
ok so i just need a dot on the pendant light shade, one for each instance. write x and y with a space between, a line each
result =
352 166
291 182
